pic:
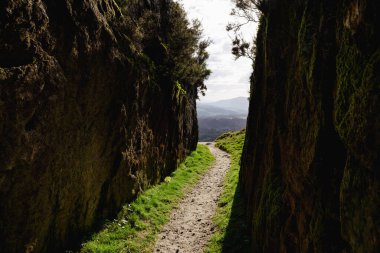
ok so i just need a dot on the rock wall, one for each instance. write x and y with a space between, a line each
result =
86 119
311 160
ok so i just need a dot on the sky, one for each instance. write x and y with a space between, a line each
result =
229 78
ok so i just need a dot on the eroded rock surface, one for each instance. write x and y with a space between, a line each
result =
310 166
86 121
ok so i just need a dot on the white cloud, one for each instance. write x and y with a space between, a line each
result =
230 78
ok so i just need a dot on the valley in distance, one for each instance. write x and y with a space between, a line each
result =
216 118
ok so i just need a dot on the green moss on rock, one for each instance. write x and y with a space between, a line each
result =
88 115
310 165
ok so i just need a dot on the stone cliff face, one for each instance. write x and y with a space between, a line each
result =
86 120
311 161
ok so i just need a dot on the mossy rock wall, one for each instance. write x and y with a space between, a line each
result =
86 122
311 160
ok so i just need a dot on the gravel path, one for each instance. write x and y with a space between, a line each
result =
190 226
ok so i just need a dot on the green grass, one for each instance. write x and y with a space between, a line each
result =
231 230
138 223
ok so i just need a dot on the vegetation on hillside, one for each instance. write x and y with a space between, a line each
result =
231 234
138 224
168 43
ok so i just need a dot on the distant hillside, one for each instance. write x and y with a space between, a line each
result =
206 110
229 107
222 116
239 104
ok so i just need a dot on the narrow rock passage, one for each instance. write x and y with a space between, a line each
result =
190 226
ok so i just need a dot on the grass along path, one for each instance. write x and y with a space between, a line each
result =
191 226
138 223
231 234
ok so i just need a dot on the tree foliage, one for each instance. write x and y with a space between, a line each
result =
170 41
187 50
246 11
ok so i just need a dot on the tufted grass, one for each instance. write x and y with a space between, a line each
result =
231 229
138 223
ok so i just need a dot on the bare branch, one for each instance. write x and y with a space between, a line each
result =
247 11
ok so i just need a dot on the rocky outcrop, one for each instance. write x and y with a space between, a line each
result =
87 116
310 166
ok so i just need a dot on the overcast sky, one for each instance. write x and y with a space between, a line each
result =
229 78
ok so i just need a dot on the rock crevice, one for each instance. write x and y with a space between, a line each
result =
86 119
311 157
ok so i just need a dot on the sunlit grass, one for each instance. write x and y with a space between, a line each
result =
231 232
139 222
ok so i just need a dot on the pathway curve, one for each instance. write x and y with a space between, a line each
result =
190 226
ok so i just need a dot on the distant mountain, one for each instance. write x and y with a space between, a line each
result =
206 110
235 107
216 118
239 104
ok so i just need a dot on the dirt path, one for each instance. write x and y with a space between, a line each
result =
190 226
